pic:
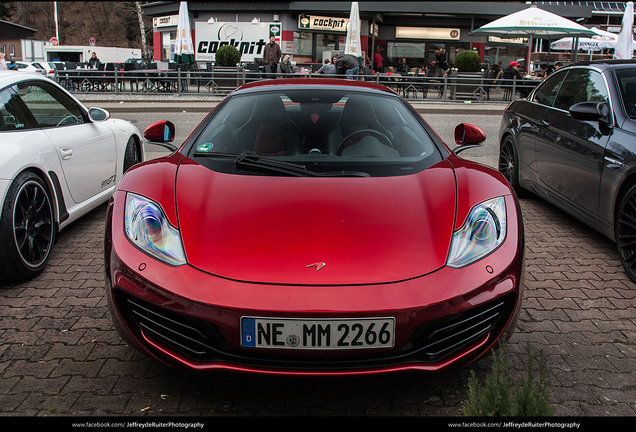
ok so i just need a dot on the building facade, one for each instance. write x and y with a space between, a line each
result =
312 31
12 37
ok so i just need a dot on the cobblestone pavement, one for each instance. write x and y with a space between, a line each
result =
59 354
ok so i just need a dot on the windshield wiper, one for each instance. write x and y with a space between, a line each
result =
249 159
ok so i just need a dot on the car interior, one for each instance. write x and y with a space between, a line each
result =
339 124
629 98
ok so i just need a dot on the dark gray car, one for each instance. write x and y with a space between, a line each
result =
572 141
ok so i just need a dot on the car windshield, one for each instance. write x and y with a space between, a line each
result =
319 129
627 85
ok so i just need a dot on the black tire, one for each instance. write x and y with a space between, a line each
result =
132 156
626 233
27 228
509 164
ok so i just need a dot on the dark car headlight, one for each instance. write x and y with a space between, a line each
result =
483 231
148 228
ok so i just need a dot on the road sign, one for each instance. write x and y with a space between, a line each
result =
54 41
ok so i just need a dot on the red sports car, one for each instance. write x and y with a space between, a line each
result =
313 226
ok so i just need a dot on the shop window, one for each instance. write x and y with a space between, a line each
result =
412 51
303 43
325 42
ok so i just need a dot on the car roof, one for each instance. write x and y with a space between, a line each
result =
11 77
326 83
606 64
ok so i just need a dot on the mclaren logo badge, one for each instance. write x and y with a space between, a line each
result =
318 265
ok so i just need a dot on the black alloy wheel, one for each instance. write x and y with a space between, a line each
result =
626 233
509 164
26 228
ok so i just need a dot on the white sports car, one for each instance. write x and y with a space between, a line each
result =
58 161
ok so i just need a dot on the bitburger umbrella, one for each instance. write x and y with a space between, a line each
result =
183 48
625 44
533 22
602 40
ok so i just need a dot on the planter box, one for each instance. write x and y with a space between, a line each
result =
226 78
467 85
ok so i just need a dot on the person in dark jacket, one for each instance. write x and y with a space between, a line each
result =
349 65
93 62
440 59
512 72
403 68
272 55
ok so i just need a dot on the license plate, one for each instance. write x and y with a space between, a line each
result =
315 334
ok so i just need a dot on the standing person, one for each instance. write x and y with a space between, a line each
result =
3 62
440 58
94 61
272 55
12 65
349 64
377 60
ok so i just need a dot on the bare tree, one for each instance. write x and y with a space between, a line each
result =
132 13
21 14
142 29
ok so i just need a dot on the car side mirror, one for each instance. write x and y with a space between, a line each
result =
98 114
468 136
161 133
589 110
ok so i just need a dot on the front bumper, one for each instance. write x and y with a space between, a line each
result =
185 317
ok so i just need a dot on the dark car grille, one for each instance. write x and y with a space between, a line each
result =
201 341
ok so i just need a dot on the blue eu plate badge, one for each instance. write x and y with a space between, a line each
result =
248 332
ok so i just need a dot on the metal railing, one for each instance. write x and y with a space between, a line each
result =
449 88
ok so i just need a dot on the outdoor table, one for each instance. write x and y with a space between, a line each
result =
303 73
388 76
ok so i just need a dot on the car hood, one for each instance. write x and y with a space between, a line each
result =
316 231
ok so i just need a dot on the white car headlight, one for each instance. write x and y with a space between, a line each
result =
147 227
483 231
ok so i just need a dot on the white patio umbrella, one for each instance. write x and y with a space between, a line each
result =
353 42
602 40
625 44
533 22
183 48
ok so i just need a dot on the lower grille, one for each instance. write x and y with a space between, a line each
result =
445 337
200 340
194 338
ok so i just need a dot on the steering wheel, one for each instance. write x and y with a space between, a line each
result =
68 120
371 131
